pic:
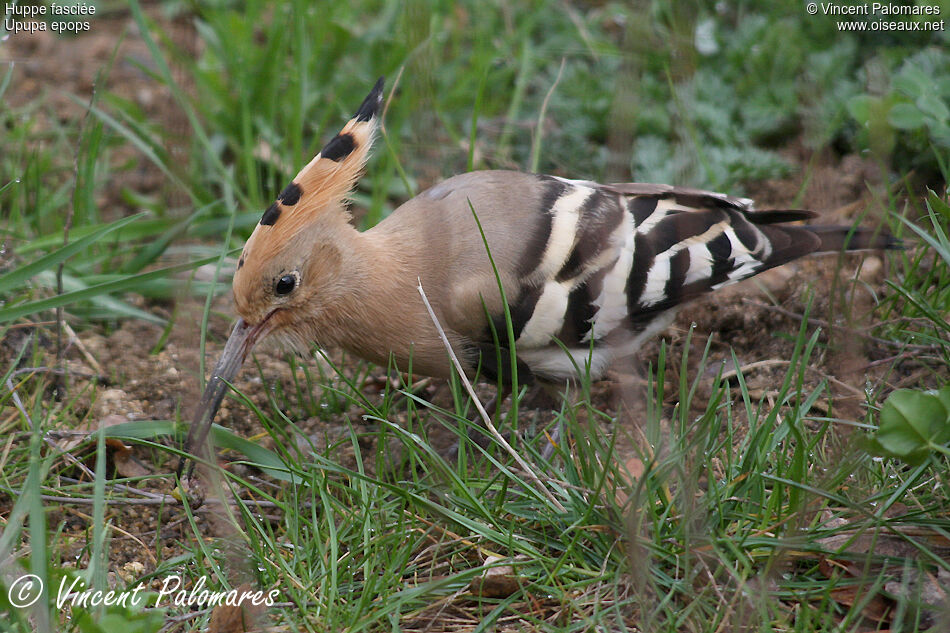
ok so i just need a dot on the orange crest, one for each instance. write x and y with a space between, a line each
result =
326 181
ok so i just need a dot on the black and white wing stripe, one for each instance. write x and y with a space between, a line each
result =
618 259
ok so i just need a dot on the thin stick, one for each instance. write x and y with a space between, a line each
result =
486 419
42 369
539 132
771 362
167 500
19 403
82 348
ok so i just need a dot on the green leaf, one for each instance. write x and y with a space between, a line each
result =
18 276
913 82
911 422
944 396
120 285
940 135
143 229
266 460
141 429
859 107
905 116
939 241
114 308
934 106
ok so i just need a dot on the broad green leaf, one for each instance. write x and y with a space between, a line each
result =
934 106
940 135
859 107
905 116
944 396
912 82
910 420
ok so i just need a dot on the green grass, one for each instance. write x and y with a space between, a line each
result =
757 509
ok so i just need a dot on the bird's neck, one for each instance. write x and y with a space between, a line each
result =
377 305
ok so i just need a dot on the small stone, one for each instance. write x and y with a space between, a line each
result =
131 570
498 581
871 271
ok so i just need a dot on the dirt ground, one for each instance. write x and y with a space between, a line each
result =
136 384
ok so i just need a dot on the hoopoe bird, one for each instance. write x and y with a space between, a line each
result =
589 271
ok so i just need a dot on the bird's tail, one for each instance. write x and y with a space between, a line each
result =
838 238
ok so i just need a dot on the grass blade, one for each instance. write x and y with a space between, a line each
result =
119 285
18 276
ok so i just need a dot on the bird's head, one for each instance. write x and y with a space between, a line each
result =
288 266
289 263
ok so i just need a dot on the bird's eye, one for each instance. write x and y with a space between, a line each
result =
286 284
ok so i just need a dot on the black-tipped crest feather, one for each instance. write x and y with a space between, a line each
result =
370 106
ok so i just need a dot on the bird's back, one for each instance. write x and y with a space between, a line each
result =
596 268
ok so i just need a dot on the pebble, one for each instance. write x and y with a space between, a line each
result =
872 270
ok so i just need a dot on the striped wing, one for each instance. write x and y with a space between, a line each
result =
618 259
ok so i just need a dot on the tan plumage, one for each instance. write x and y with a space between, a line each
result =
595 268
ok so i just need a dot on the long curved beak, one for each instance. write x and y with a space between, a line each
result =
242 339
